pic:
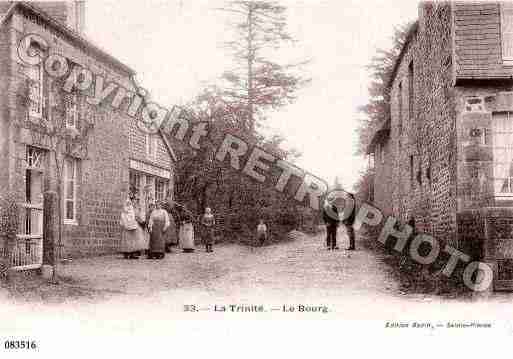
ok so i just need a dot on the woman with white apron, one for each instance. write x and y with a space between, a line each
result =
186 233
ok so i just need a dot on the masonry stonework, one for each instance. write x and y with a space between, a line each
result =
448 91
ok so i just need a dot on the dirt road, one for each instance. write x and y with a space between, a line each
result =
349 285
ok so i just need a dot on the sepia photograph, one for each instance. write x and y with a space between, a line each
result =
249 178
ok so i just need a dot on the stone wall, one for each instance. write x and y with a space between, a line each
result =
4 117
382 178
423 132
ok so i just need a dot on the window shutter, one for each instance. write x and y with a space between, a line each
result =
507 31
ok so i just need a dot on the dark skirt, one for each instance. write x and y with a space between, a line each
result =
157 240
171 234
208 235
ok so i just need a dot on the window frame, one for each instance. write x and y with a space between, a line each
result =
66 179
73 111
149 183
497 194
151 143
400 106
412 171
164 183
506 59
137 176
41 99
411 92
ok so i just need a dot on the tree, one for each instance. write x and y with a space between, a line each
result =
377 110
258 82
237 201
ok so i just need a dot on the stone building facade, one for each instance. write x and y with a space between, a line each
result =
116 158
445 156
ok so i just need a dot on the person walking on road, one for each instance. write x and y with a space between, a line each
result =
330 216
349 223
261 232
208 221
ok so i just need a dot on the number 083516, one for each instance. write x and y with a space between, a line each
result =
20 345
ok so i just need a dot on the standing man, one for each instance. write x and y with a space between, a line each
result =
349 222
330 217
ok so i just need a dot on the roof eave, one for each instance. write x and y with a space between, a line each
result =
411 33
68 32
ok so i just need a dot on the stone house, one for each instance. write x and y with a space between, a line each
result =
115 159
445 155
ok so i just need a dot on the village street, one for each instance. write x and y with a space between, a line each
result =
352 285
108 299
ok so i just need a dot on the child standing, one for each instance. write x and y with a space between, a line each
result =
261 232
208 221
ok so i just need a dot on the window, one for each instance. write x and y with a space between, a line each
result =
151 145
35 77
411 169
428 173
507 31
150 189
160 190
482 135
70 190
400 107
411 91
72 111
381 152
502 132
34 157
135 185
34 175
371 161
35 90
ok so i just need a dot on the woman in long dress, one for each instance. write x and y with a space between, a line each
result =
144 236
157 225
186 232
132 235
171 234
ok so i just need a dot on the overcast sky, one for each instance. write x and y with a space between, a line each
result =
175 48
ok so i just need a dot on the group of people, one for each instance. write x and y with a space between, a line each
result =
155 231
151 231
332 220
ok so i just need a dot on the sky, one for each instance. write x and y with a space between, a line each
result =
175 46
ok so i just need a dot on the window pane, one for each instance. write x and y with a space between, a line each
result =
69 210
70 190
71 113
68 169
507 17
502 153
507 30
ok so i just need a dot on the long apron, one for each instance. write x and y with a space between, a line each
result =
171 234
133 240
157 241
209 235
187 236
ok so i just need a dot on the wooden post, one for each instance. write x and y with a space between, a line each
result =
50 226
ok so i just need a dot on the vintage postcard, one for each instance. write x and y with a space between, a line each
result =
256 178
